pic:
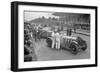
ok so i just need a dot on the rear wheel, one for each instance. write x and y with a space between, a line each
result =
82 43
49 42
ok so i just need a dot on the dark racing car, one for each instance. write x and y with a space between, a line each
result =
45 33
74 45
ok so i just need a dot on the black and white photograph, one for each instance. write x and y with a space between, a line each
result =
53 36
56 36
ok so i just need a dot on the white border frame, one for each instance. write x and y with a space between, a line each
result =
22 64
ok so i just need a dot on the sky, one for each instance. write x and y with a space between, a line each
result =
30 15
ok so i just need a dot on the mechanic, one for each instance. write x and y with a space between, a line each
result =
53 39
69 32
57 40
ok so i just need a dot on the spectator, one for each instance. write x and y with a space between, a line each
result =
36 32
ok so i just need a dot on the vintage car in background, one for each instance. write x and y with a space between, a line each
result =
45 33
72 44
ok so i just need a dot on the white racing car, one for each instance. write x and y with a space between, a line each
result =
73 44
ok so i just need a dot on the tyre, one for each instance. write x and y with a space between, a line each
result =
74 48
49 42
85 47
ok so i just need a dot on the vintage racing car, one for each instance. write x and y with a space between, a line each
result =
72 44
45 33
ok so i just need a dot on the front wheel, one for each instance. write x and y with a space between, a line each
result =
85 46
73 48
